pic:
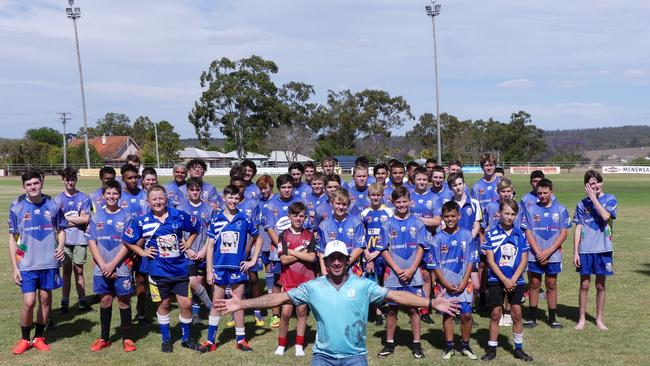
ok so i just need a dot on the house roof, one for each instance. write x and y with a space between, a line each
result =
281 156
193 153
248 155
111 149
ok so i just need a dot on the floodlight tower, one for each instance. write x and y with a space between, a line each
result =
74 13
433 10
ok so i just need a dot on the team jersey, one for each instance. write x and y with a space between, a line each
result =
312 202
97 199
230 238
508 250
596 234
425 205
266 239
528 200
453 254
445 194
546 224
492 216
175 196
106 229
402 238
165 237
74 206
301 191
36 226
202 214
347 185
209 193
373 220
136 204
485 192
470 212
350 230
388 191
252 191
359 200
297 272
323 212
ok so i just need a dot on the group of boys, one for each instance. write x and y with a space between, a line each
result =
408 227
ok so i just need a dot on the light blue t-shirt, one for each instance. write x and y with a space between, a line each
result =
341 314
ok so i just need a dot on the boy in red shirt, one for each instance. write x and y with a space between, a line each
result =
297 251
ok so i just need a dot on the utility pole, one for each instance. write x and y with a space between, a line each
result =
155 130
65 117
433 10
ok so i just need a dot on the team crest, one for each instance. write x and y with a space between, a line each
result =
481 191
332 235
556 217
350 233
126 284
47 214
124 204
537 218
100 225
27 216
444 249
393 233
119 225
129 232
352 293
383 218
429 204
463 245
469 211
276 212
413 231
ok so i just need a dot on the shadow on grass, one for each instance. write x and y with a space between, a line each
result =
69 329
645 271
572 313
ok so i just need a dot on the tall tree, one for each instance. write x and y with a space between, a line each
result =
47 135
112 124
240 99
140 130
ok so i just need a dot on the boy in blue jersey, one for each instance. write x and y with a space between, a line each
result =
485 189
359 199
396 180
343 227
162 229
36 247
439 185
176 197
250 169
76 207
328 165
373 219
265 185
592 244
454 253
545 225
429 164
310 170
380 172
200 212
112 276
325 209
317 195
402 243
410 175
426 206
506 249
300 188
105 174
209 194
149 179
530 198
227 265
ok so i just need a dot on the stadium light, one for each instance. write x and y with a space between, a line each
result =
433 10
74 13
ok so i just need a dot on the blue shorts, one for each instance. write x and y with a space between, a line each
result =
321 359
229 277
600 264
262 260
161 287
465 307
120 286
548 268
416 290
40 279
275 267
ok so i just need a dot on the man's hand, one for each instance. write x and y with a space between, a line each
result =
18 279
228 306
447 306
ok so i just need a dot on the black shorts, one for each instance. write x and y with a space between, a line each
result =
196 268
496 294
161 287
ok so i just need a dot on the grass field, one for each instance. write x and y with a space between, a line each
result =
626 311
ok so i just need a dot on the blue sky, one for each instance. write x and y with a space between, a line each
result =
577 64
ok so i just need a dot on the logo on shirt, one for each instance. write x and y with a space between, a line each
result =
124 204
383 218
537 218
413 231
444 249
556 217
129 232
27 216
352 293
481 191
119 226
47 214
331 235
100 225
350 233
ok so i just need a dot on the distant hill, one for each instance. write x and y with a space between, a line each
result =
212 143
601 138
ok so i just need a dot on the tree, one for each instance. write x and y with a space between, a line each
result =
113 124
240 99
46 135
523 140
77 155
141 130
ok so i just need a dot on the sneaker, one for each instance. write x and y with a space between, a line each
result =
259 321
275 321
467 352
388 350
84 307
244 346
193 345
39 344
426 318
490 354
555 324
129 345
542 295
417 350
300 352
448 354
209 346
144 322
99 344
21 347
502 322
230 323
521 355
279 351
64 309
530 323
507 320
167 347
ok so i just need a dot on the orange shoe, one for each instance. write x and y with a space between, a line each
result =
129 345
99 344
39 344
208 346
244 346
21 347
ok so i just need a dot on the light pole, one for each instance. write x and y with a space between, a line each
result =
74 14
433 10
65 116
155 131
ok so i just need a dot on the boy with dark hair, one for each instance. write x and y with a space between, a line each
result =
454 253
209 194
76 207
112 276
402 244
396 180
546 224
454 166
36 246
530 198
430 163
410 175
175 197
300 189
485 189
149 178
105 174
592 244
298 256
310 169
250 170
380 172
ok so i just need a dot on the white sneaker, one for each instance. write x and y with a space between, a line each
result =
507 320
279 351
502 321
300 352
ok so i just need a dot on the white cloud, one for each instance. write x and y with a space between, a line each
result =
634 73
516 84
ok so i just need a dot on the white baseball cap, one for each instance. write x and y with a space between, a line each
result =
336 246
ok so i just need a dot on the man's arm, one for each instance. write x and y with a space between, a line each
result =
233 304
448 306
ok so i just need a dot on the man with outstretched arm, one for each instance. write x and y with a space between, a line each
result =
340 304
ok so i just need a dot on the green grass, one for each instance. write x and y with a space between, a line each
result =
626 310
